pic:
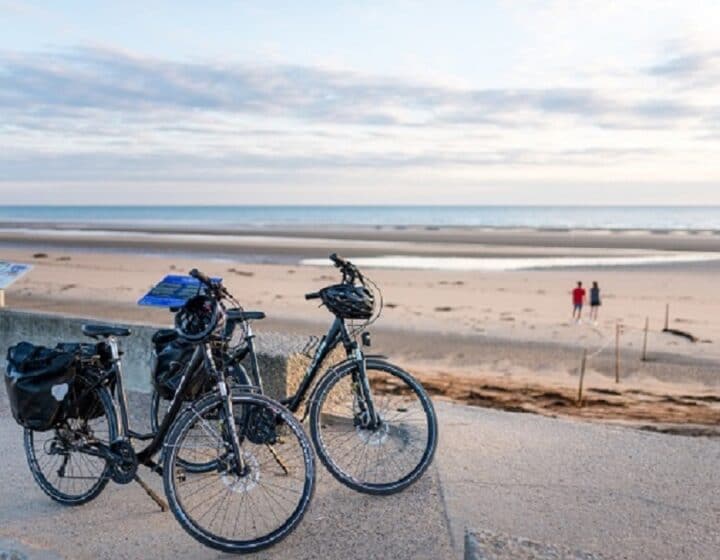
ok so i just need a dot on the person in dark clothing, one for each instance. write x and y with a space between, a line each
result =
595 302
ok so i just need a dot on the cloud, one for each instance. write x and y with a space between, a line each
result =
694 69
95 166
94 116
102 79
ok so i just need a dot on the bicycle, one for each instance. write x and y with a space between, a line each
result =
253 472
364 401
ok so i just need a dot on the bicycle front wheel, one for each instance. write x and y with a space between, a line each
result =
246 505
391 455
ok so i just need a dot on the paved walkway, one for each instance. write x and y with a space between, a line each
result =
124 523
614 491
610 491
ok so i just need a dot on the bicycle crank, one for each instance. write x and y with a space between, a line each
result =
123 469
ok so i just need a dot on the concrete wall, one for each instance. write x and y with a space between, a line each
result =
49 329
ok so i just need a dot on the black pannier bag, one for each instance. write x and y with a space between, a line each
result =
171 354
93 360
39 383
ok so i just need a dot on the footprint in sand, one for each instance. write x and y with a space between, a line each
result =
443 309
63 259
390 305
40 256
67 287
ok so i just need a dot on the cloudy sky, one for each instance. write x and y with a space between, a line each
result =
360 102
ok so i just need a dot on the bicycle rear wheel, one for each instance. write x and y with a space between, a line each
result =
234 509
57 458
392 455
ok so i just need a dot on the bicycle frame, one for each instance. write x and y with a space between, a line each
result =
337 334
202 352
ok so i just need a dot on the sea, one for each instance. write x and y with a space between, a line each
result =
226 219
534 217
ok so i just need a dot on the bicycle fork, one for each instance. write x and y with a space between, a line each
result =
369 419
231 428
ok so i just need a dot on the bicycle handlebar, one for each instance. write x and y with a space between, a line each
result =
215 287
338 260
195 273
349 270
312 295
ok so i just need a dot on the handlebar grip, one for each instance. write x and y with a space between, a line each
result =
338 260
312 295
195 273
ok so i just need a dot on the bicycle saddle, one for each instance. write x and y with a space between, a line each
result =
237 315
97 331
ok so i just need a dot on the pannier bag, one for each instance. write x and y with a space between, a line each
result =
93 360
171 354
39 382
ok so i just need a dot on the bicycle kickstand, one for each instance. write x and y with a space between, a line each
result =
153 495
277 458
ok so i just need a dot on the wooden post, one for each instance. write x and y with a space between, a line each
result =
582 376
617 352
2 298
645 336
667 316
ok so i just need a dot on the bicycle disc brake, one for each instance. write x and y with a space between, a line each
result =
124 469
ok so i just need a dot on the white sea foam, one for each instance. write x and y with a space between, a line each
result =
505 264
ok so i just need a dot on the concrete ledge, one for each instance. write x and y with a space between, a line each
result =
48 329
483 545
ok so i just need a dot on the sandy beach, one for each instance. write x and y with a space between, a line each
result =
461 330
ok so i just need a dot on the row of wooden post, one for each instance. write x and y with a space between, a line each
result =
618 332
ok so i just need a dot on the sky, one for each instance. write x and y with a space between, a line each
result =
376 102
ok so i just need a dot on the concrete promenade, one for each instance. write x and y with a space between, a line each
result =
607 491
528 486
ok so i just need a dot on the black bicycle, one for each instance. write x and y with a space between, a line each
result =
372 424
237 466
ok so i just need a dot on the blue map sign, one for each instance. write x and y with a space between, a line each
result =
172 291
10 272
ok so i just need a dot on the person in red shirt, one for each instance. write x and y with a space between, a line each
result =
578 296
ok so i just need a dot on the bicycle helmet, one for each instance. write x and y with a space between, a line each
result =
199 318
348 301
